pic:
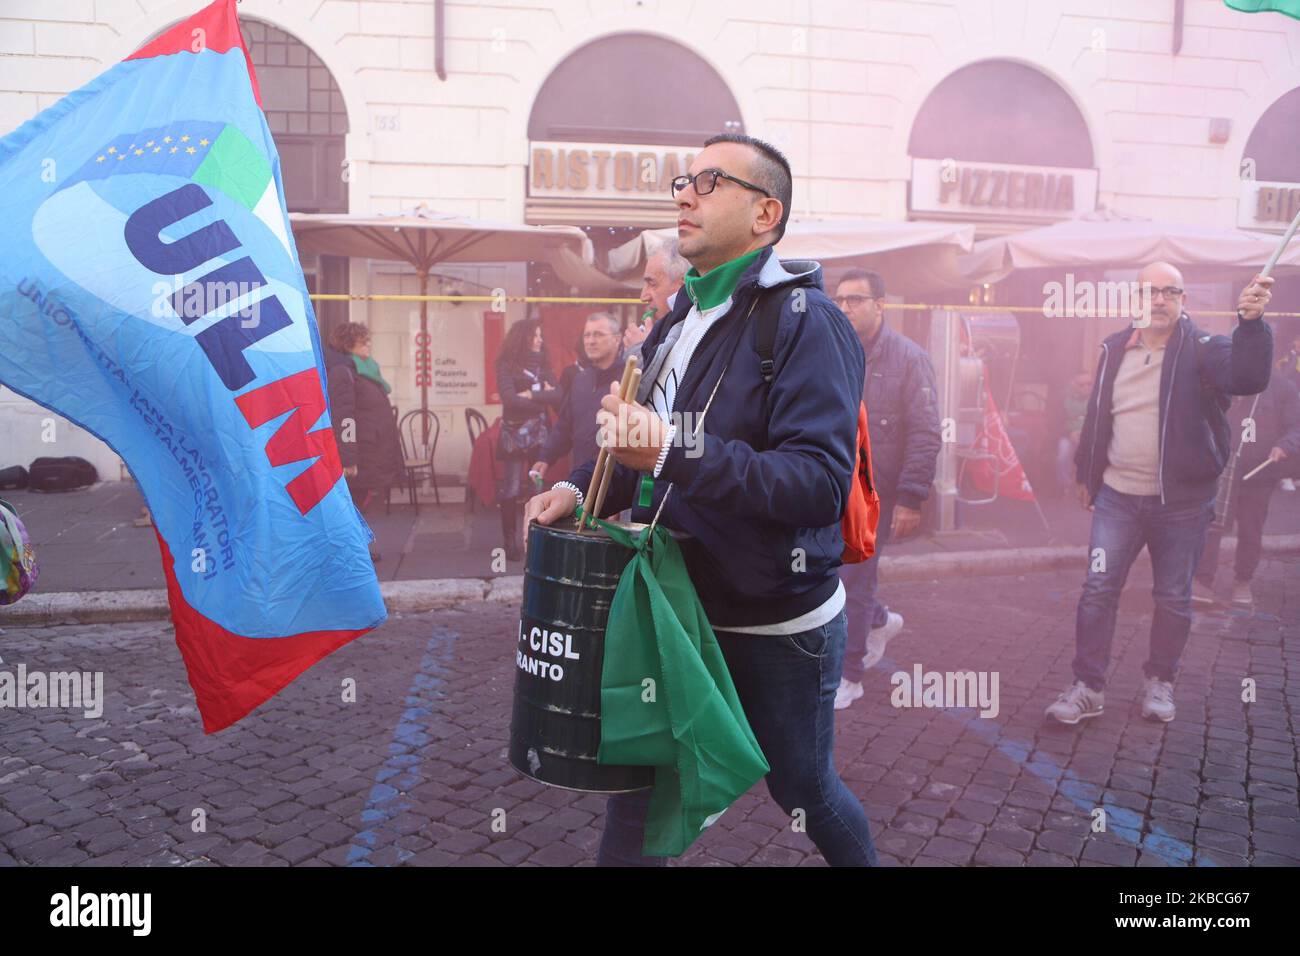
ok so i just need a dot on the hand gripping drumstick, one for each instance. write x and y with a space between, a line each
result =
602 456
609 465
604 465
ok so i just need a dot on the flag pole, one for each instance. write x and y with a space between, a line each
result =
1281 246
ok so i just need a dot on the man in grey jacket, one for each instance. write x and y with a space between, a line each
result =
903 418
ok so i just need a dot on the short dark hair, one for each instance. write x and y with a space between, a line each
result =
772 172
872 279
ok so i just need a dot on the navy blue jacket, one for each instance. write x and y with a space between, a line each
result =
767 477
903 418
575 427
1198 374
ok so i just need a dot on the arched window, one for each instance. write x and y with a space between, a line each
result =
633 88
997 111
1273 142
304 109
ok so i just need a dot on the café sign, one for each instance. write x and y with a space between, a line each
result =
1270 206
1001 191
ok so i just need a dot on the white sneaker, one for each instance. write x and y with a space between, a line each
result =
879 637
1077 703
1158 700
1241 594
1202 595
1288 484
846 693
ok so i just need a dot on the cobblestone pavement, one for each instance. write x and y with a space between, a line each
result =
414 771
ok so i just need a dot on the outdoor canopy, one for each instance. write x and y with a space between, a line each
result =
423 238
1110 240
916 255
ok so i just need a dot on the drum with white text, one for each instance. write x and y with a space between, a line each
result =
569 583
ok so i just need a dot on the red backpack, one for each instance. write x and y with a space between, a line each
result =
862 513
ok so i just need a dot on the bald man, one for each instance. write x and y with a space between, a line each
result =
1152 447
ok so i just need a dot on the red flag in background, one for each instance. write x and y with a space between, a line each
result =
1004 468
1003 471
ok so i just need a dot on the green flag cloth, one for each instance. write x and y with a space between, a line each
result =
1290 7
666 697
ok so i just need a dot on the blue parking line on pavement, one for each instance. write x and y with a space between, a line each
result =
1125 823
400 773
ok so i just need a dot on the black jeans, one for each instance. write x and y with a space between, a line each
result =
1248 508
786 684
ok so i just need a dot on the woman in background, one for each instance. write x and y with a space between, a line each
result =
371 449
527 389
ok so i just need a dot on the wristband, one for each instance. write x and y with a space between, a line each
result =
572 487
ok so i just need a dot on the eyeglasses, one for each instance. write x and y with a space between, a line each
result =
1168 291
854 299
597 335
706 179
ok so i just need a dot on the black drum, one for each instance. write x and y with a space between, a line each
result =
569 585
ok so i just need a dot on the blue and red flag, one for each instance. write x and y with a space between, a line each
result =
151 292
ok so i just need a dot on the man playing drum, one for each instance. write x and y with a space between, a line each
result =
758 498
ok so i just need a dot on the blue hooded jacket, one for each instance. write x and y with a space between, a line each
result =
757 502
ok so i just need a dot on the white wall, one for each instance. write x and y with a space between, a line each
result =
837 83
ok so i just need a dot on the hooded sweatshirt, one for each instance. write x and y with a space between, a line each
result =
759 493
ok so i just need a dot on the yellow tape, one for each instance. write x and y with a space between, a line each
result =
596 300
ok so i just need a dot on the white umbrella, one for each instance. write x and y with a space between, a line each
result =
1110 240
423 239
917 254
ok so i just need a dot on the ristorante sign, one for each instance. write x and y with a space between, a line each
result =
997 190
599 171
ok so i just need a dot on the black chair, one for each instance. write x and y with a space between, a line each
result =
475 424
419 431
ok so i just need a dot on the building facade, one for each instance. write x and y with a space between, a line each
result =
1004 113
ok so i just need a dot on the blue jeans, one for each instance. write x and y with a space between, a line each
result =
1121 525
786 684
865 610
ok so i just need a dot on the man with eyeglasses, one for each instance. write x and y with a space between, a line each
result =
575 425
903 416
757 496
1153 445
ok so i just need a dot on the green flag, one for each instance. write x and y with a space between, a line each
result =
1290 7
667 699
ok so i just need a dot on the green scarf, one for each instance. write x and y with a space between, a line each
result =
369 368
715 286
667 700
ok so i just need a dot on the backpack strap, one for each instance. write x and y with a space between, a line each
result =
766 318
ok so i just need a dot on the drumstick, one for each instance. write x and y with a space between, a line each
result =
609 465
1255 471
602 456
